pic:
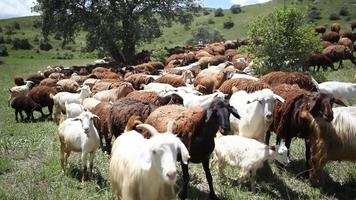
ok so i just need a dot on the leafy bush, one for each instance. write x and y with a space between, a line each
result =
219 12
8 40
9 30
37 24
64 56
16 25
344 11
313 15
3 51
206 12
0 29
211 21
36 40
283 39
58 36
21 44
45 46
334 16
159 55
203 35
235 9
228 24
2 40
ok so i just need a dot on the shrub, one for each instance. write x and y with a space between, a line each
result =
8 40
37 24
206 12
211 21
3 51
159 55
334 16
21 44
344 11
285 39
313 15
9 30
228 24
2 40
203 35
45 46
58 36
219 12
235 9
0 29
16 25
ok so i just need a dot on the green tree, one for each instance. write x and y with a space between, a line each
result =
116 26
204 35
284 39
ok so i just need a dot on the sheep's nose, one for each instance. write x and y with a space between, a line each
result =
86 130
172 175
269 116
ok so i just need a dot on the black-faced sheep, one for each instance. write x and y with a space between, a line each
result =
197 129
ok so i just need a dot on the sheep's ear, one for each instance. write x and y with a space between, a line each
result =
279 98
95 116
76 119
234 112
209 113
339 102
144 159
184 153
149 128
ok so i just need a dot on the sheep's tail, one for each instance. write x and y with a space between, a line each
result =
317 144
132 122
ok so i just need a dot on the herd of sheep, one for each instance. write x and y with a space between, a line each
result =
202 106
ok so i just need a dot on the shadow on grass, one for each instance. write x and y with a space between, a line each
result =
336 189
193 191
96 176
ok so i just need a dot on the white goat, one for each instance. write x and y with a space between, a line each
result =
255 110
191 100
191 67
80 135
246 153
136 162
73 109
341 90
20 90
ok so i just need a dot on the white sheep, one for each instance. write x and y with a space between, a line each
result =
246 153
145 168
73 109
341 90
20 90
80 135
245 76
179 70
255 110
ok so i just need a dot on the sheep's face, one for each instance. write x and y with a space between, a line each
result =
86 119
280 153
221 110
321 105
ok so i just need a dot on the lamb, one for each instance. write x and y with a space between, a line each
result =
341 90
41 95
60 98
80 135
304 81
209 80
90 103
73 109
255 110
333 141
114 94
197 129
247 154
24 103
18 80
102 110
20 90
137 161
68 85
176 80
242 84
155 98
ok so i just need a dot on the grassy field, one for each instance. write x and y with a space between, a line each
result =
29 152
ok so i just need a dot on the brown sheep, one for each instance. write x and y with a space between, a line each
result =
353 25
346 34
154 98
325 44
302 80
18 80
24 103
188 58
337 53
332 37
176 80
320 60
320 29
157 65
242 84
36 78
202 53
335 27
230 53
100 70
347 43
102 111
209 80
41 95
49 82
105 84
211 60
108 75
138 79
68 85
114 94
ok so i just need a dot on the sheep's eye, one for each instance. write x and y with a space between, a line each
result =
154 151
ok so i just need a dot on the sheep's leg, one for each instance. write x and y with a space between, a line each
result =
209 178
50 109
91 163
307 155
108 145
21 115
84 163
267 138
16 113
61 155
288 141
183 193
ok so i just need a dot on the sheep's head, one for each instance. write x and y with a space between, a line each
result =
85 91
220 109
86 118
320 105
280 153
162 156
